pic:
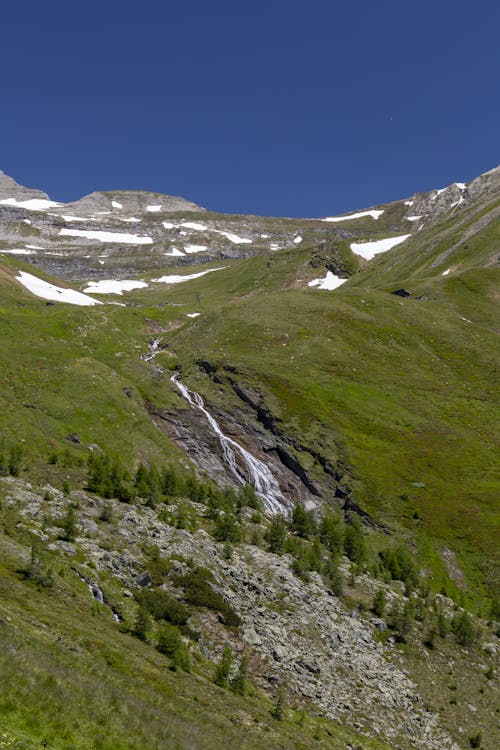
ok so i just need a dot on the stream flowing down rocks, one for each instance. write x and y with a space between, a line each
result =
249 468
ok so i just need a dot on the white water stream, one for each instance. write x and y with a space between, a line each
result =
257 473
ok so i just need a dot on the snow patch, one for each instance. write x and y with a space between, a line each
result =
192 315
177 278
330 282
445 273
413 218
233 237
174 251
298 240
116 204
113 286
128 239
35 247
195 248
193 225
131 220
18 251
368 250
43 289
153 209
168 225
461 185
34 204
374 214
409 203
67 217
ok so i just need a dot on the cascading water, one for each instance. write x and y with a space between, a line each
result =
257 473
153 350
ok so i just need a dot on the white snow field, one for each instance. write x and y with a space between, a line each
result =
43 289
192 225
153 209
368 250
195 248
18 251
113 286
116 204
34 204
177 278
330 282
128 239
359 215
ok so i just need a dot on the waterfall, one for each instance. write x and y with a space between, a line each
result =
256 472
153 350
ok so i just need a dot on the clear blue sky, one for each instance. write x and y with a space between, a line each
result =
276 108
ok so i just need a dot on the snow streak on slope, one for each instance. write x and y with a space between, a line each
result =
369 249
43 289
128 239
330 282
359 215
113 286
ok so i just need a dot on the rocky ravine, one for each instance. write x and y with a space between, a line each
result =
294 630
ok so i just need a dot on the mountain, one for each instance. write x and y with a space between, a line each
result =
155 357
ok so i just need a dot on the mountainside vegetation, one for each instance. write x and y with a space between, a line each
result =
378 414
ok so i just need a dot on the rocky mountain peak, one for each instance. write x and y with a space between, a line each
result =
9 188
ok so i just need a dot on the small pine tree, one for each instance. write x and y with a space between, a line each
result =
223 668
463 627
279 709
16 455
354 542
239 682
69 525
106 513
378 606
142 624
331 533
276 534
36 571
334 576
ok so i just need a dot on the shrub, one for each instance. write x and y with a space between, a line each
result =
276 534
171 644
463 627
239 682
227 528
163 606
36 570
249 498
476 739
333 575
401 566
354 542
303 522
16 455
331 533
198 591
378 606
142 624
223 668
69 525
279 709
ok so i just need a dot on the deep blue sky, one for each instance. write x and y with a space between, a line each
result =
278 108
